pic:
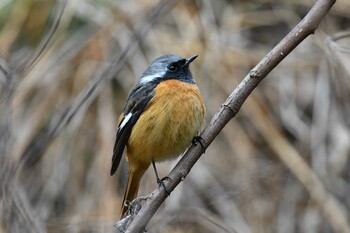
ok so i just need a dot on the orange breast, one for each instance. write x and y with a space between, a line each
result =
166 127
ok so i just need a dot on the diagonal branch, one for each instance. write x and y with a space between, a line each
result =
230 108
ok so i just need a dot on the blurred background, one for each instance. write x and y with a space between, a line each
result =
67 67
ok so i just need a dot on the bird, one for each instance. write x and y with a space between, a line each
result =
163 113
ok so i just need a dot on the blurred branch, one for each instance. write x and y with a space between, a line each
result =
4 70
12 28
14 202
228 110
18 204
16 211
40 142
8 85
29 64
331 208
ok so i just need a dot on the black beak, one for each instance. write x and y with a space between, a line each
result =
189 60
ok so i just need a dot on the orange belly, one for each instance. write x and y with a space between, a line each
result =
167 126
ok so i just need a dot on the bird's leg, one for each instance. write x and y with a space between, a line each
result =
160 181
200 140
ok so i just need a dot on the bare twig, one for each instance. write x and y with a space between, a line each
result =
230 108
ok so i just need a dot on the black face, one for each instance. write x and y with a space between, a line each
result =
168 67
178 70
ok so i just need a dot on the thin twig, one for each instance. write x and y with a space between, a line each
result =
230 108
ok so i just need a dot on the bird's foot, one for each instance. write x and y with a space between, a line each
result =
201 141
134 207
161 183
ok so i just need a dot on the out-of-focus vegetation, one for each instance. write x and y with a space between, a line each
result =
57 133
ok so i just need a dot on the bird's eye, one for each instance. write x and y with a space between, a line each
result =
172 67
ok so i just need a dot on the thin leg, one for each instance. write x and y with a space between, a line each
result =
155 171
160 181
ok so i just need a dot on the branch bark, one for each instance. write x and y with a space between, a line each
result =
229 109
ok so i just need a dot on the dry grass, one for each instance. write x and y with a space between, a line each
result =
56 146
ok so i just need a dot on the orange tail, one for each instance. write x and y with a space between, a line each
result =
134 179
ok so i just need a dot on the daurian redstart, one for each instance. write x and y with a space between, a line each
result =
163 113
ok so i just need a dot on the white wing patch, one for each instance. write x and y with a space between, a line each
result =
151 77
125 120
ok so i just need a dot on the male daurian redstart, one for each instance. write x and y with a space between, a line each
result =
163 113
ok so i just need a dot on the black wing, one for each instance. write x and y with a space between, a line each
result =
136 103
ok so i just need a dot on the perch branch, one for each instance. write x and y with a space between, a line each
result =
229 109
